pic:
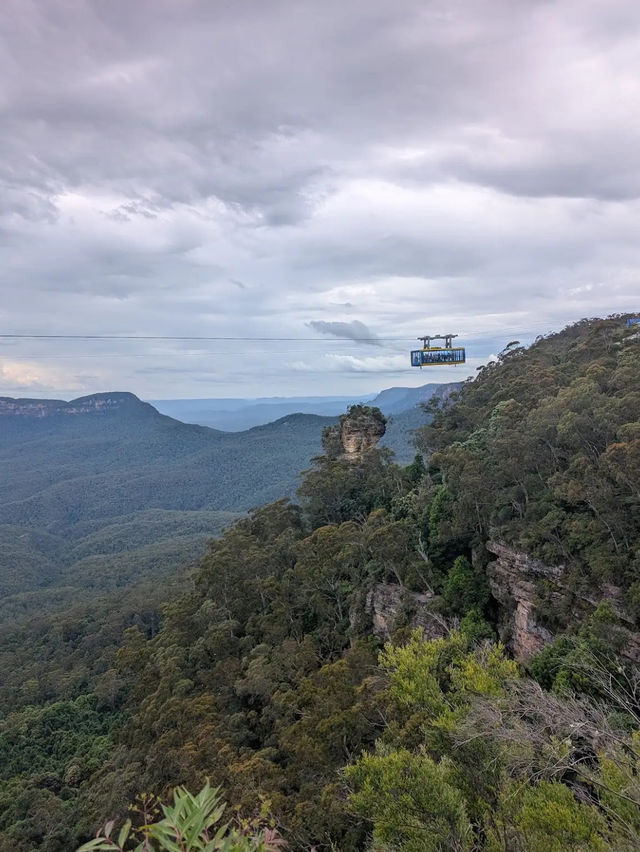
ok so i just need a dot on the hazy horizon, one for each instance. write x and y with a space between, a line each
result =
260 399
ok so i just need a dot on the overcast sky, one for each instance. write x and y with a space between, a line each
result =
314 169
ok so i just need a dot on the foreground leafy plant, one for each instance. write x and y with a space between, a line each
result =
191 824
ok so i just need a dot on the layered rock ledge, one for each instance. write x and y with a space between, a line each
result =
514 577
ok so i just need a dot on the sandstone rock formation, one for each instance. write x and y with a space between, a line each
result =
360 430
390 606
514 577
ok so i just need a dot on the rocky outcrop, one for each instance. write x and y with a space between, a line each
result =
514 579
361 430
390 606
99 403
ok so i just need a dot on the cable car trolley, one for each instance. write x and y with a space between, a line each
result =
438 356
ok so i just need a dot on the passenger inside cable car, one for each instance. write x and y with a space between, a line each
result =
434 357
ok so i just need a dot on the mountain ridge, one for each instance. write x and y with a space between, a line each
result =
97 403
395 400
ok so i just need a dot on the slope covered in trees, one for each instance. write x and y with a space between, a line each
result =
542 449
104 490
62 471
268 675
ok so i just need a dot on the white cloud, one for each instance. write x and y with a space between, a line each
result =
18 376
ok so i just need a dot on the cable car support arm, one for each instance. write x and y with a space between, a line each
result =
426 340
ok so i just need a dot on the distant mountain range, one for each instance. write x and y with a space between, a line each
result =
235 415
105 490
396 400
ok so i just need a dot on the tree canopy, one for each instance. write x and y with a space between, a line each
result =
279 674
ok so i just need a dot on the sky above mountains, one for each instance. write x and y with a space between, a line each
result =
324 171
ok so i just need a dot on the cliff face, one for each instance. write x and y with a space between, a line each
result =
99 403
389 606
360 430
514 577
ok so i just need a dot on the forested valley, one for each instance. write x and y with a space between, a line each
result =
437 656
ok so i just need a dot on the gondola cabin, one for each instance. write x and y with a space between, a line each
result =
438 356
633 321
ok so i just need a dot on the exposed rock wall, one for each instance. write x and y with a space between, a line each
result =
513 578
390 606
361 430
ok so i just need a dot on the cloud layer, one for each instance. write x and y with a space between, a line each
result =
297 169
354 330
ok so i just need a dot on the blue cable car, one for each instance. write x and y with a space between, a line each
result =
633 321
438 356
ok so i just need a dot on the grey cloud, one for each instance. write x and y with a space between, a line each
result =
161 371
128 211
463 160
354 330
149 97
607 168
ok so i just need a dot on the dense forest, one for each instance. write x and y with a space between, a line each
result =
343 668
104 491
